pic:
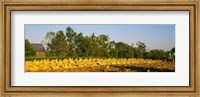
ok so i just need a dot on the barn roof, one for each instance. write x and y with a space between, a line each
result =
38 47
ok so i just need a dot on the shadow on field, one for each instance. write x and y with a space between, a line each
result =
140 69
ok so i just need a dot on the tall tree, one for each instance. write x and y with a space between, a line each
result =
130 52
94 44
173 50
71 34
48 37
173 53
81 45
103 41
140 50
58 46
47 41
29 50
121 47
113 52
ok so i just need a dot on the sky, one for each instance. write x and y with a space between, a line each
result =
155 36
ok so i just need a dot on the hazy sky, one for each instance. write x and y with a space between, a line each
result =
155 36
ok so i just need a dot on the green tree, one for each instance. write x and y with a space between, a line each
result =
158 54
71 34
122 48
47 42
148 55
130 52
173 50
58 46
49 36
140 50
104 45
80 44
29 50
93 44
88 46
113 52
172 54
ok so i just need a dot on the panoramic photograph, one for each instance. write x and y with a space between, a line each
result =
99 47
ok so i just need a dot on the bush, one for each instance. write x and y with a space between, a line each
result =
41 58
52 57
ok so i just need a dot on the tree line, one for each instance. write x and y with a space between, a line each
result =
73 44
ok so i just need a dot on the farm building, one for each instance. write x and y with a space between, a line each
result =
39 48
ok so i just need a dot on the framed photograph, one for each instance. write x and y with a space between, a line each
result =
100 47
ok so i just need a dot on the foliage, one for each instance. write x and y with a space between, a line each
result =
49 36
29 50
77 45
140 50
32 58
71 35
58 45
173 50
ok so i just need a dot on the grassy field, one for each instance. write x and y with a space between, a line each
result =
98 65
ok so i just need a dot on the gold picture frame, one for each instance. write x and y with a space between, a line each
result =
119 5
